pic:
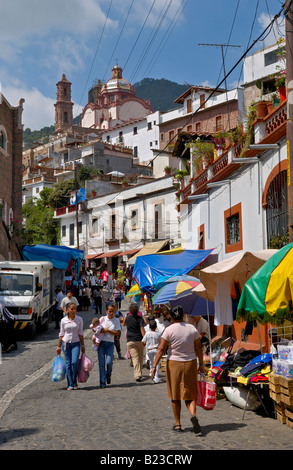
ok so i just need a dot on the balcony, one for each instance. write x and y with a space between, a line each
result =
269 129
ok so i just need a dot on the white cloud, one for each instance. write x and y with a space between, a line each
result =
38 110
277 31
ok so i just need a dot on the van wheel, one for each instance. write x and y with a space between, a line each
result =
32 330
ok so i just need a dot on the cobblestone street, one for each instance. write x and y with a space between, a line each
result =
37 414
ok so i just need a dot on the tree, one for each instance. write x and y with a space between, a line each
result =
40 225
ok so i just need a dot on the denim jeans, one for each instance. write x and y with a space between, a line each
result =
71 352
105 356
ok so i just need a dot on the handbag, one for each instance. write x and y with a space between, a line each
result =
59 369
206 394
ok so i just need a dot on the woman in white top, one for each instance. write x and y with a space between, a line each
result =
183 342
72 341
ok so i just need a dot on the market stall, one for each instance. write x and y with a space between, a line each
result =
267 298
223 283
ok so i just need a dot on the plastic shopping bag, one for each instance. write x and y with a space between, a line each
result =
206 394
86 363
59 369
84 368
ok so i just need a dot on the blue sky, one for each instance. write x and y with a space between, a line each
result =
41 40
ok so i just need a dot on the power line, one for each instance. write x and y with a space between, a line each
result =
268 27
96 52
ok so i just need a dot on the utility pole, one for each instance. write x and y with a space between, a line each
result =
289 69
224 70
76 206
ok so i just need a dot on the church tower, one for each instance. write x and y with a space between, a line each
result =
63 106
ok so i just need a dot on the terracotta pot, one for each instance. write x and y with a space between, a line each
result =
261 109
228 142
270 106
282 92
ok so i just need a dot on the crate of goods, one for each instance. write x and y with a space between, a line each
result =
287 391
281 413
275 387
289 417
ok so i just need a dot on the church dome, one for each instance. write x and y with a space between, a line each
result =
117 83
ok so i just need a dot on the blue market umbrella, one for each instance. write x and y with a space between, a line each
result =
193 304
172 289
164 280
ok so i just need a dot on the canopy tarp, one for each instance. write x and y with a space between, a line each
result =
238 268
149 268
59 256
268 294
149 249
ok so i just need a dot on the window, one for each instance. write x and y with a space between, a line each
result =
79 227
134 219
95 225
3 139
149 126
171 137
151 144
270 58
113 226
219 124
162 137
202 99
189 105
135 130
197 127
63 230
201 238
277 211
65 117
233 229
71 234
108 138
120 136
189 128
135 151
158 221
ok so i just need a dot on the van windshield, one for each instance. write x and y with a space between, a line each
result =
16 284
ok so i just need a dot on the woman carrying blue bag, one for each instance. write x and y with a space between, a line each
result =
72 341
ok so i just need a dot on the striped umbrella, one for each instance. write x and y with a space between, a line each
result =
268 294
171 289
135 290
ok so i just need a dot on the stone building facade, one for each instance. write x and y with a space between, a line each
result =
11 132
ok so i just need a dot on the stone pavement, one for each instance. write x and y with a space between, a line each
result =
38 414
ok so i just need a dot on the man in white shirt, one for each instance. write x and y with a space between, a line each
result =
67 300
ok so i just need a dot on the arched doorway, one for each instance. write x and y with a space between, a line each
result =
277 211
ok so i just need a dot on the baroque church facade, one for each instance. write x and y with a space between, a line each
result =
113 103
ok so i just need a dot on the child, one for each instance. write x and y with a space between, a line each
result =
152 340
98 336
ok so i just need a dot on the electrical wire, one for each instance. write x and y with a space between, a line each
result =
96 52
265 31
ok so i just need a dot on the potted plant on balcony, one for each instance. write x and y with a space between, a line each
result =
203 151
167 170
261 105
125 183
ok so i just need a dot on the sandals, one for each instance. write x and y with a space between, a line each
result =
177 428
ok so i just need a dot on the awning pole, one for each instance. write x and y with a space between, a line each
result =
259 336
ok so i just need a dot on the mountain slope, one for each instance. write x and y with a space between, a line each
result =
160 92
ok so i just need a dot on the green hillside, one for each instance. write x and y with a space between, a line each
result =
160 92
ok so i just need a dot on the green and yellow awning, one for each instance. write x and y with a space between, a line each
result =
268 294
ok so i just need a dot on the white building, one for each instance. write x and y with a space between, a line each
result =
120 223
241 204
